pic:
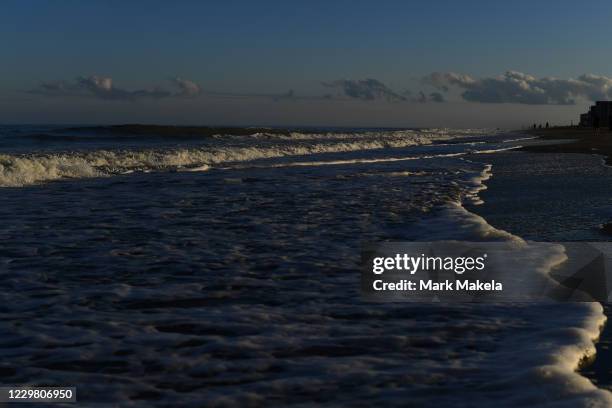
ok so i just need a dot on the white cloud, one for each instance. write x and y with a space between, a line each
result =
187 87
518 87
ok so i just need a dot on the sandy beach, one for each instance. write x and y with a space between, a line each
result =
584 140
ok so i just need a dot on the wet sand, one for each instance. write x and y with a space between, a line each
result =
586 140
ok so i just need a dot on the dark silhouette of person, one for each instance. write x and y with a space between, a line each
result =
547 125
540 126
535 126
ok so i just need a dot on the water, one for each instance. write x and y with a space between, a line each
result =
237 284
29 156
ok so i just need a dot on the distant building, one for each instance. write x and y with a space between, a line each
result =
600 113
586 119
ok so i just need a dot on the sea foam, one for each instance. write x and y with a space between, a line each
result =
246 324
538 366
26 169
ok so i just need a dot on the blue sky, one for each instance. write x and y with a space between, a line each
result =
259 49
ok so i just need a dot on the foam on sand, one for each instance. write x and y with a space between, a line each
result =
538 365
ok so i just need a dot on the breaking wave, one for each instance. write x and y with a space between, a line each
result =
25 169
509 354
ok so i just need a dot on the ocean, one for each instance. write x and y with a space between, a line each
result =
160 270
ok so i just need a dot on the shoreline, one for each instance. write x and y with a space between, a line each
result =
593 364
578 357
583 141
